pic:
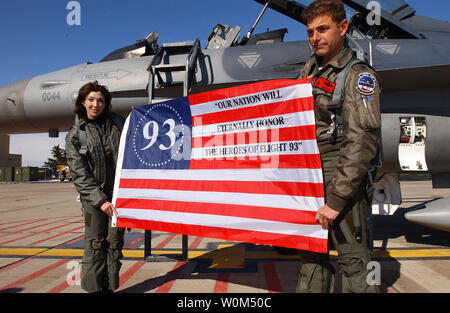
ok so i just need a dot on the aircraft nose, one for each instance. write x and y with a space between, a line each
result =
8 96
12 113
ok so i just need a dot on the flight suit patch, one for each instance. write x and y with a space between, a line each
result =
324 84
366 84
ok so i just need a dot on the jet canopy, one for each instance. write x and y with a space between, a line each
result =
393 12
392 5
388 5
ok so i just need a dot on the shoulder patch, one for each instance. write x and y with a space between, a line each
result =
366 84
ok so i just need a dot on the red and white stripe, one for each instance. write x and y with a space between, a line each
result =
255 187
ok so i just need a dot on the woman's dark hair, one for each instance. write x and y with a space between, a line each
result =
335 8
84 91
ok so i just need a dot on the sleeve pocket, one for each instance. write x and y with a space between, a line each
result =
369 114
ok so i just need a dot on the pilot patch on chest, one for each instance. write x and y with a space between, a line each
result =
324 84
366 84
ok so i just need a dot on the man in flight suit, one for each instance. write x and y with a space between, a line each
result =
347 135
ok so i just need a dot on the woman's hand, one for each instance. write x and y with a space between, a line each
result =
108 208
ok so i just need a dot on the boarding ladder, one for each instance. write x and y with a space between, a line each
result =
188 66
156 70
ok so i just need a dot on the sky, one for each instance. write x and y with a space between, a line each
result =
36 37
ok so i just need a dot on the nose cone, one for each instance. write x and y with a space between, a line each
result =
12 115
435 215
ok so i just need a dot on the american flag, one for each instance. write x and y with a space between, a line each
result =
239 164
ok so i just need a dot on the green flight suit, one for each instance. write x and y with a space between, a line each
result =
93 174
346 155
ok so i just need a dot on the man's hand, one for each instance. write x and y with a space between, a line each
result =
326 216
109 209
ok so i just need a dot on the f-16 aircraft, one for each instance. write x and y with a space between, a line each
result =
409 52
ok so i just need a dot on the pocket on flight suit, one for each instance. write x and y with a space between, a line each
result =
316 278
95 252
93 265
305 279
87 218
316 273
369 114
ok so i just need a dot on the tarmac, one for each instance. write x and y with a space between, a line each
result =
41 245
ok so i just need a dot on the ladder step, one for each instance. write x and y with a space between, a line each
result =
169 67
178 47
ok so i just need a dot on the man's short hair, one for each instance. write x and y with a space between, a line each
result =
335 8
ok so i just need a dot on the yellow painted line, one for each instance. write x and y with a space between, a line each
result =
411 253
226 255
63 252
419 253
140 253
133 253
79 252
20 251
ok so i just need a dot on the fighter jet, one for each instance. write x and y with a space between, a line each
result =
409 52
